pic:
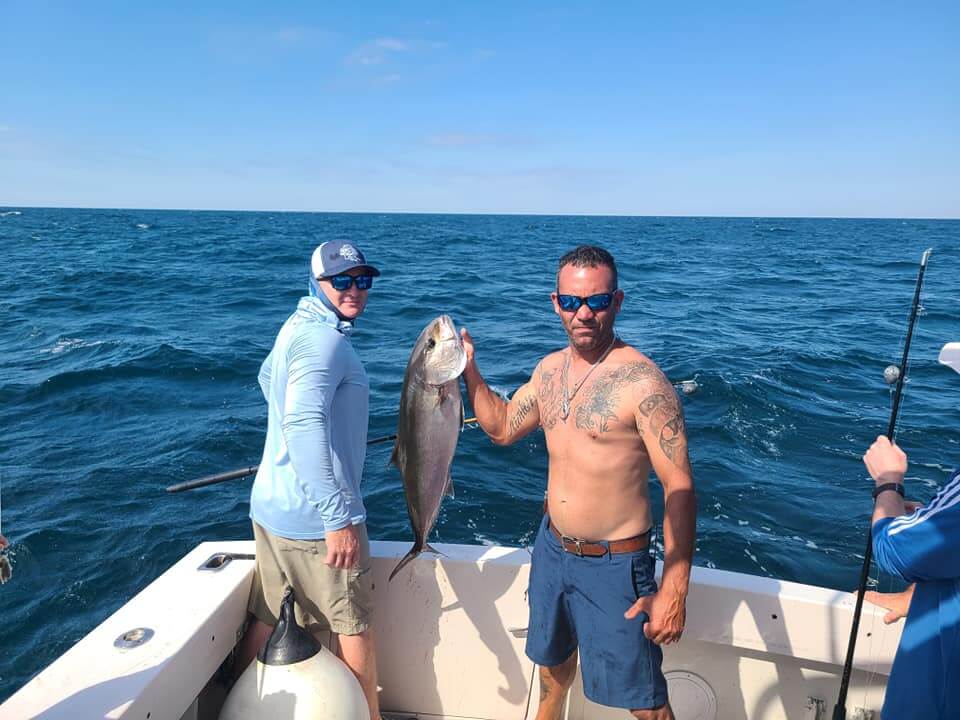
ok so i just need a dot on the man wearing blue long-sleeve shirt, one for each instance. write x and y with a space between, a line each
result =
309 521
922 547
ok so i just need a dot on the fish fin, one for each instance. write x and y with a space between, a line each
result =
397 457
448 490
430 548
461 415
414 551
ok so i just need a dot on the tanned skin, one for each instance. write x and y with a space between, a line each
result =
886 462
625 420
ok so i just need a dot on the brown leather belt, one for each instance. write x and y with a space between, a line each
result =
585 548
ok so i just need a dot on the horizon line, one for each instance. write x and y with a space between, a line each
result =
475 213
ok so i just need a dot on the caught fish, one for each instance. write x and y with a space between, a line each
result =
431 416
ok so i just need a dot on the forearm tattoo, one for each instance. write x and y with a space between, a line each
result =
528 403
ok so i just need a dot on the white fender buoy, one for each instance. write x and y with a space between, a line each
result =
295 678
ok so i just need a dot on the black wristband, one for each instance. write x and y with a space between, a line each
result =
888 486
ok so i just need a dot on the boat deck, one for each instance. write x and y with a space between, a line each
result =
450 633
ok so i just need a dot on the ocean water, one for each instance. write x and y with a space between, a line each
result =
130 343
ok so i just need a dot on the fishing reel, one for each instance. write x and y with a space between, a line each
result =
891 373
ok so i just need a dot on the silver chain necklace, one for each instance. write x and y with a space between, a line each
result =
569 396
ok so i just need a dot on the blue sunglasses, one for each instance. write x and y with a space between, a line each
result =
572 303
343 282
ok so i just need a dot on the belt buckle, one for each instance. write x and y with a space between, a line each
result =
577 543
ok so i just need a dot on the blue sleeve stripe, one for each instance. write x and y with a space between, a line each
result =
946 495
947 500
937 501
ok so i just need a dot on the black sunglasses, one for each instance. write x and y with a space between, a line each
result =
572 303
343 282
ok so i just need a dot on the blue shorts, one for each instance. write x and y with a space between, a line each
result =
579 602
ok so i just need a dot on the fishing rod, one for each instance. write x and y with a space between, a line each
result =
252 470
891 373
687 387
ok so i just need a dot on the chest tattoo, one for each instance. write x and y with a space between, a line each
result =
601 402
550 396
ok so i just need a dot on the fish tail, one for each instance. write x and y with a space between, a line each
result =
414 551
432 549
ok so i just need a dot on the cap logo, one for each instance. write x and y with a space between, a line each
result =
349 252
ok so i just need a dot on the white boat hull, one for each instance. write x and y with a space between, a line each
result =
450 632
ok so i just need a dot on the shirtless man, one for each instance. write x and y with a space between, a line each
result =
609 416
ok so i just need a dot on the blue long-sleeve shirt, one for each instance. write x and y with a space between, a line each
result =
924 548
317 394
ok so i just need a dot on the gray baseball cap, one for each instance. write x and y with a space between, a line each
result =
338 256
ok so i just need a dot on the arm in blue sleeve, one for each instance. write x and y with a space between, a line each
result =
922 545
266 369
315 369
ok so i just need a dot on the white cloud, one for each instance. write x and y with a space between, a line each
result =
392 44
388 79
289 36
454 140
376 51
246 45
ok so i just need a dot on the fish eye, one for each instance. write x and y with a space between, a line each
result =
431 343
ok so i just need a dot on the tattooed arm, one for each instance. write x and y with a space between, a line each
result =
504 422
659 419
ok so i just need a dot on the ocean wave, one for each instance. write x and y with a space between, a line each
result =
67 344
164 362
10 213
71 279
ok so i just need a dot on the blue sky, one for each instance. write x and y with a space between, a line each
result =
734 108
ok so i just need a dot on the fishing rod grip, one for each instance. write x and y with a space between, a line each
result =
840 709
252 470
213 479
243 472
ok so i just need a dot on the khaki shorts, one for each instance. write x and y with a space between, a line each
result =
326 598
